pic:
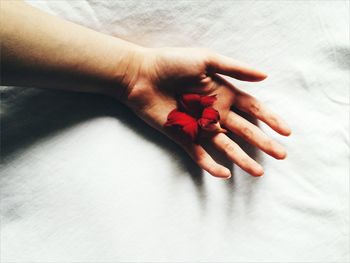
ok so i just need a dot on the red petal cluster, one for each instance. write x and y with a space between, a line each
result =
194 113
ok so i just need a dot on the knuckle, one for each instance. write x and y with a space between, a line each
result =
244 162
273 120
255 107
228 148
201 158
208 55
268 144
247 133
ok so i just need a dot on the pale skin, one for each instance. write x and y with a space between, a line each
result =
40 50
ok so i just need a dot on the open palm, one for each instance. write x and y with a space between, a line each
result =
167 72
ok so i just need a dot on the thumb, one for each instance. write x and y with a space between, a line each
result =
229 67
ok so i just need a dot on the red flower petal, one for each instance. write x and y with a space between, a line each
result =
191 130
191 103
176 117
190 98
210 114
207 101
204 123
194 104
194 112
210 117
184 122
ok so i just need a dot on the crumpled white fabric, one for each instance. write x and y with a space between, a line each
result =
83 180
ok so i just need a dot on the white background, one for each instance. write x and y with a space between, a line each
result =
83 179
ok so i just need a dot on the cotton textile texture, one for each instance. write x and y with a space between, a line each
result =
84 180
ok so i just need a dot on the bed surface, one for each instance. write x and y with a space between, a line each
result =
84 180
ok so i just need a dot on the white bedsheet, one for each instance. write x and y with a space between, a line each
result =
83 180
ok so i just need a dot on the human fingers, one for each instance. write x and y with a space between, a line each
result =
255 108
195 151
254 135
205 161
227 66
236 154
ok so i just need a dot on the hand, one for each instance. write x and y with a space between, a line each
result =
148 79
165 72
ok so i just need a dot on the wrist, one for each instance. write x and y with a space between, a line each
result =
125 69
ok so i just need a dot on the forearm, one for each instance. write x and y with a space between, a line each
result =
40 50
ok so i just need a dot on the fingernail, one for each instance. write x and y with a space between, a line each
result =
286 130
228 176
279 151
259 171
264 75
